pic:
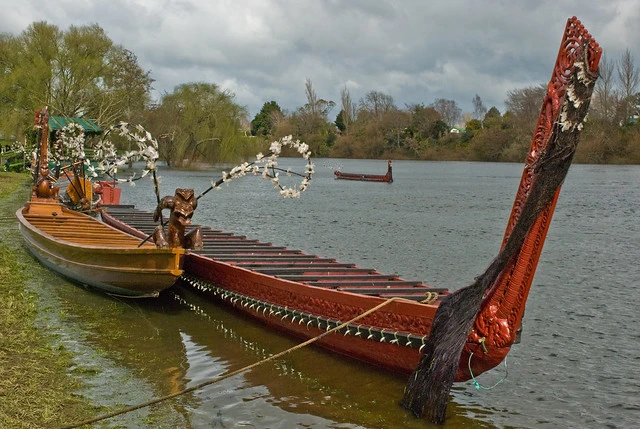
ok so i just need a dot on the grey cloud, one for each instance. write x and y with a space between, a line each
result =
414 50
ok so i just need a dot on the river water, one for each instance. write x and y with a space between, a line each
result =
439 222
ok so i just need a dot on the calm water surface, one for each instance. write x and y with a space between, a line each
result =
441 223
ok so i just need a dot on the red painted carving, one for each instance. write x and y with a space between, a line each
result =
496 325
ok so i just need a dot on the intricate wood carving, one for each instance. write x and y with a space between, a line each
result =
43 187
182 206
498 321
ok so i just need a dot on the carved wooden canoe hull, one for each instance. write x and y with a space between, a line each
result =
92 253
304 295
388 178
361 177
389 338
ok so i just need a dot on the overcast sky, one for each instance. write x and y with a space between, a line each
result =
416 51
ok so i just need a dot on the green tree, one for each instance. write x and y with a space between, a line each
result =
199 122
423 120
80 72
340 122
473 125
439 129
264 122
490 143
492 118
128 87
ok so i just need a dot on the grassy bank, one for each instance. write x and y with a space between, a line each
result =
35 388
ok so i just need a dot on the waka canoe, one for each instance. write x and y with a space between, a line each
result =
388 178
87 251
304 294
84 249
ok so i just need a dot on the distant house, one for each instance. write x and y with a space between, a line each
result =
631 119
457 130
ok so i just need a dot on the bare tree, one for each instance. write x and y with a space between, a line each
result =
605 96
348 109
312 97
377 103
629 77
448 110
525 103
478 108
276 117
313 115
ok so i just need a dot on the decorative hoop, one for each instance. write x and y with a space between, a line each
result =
267 167
109 160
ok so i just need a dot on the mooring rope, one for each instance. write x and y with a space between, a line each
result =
231 374
430 297
477 384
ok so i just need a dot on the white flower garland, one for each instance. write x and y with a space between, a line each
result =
267 167
70 146
109 160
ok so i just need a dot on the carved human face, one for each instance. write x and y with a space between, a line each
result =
184 206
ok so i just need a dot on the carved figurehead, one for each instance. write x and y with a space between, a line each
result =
43 187
389 175
182 206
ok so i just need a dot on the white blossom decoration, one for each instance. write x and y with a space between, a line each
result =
267 168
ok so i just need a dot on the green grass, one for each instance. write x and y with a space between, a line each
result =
36 389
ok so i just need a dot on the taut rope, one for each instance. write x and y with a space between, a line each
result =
231 374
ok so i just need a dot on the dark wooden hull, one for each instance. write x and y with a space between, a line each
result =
362 177
387 178
92 253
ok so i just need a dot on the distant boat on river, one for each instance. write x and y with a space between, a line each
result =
388 178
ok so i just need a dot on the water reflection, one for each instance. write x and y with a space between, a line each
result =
133 351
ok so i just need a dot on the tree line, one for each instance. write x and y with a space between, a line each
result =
81 72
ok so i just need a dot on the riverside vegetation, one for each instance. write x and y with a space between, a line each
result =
36 389
201 122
